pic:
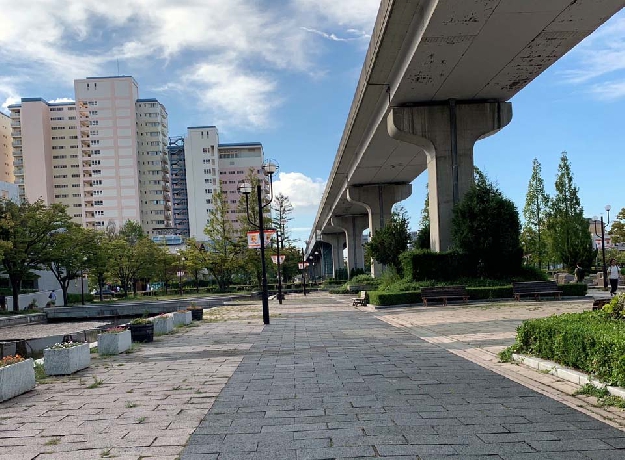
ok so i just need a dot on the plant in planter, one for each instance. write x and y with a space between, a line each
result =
114 341
197 313
142 330
66 358
17 376
163 324
182 317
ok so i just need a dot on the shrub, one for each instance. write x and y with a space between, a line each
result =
574 289
490 292
383 298
591 342
420 265
616 306
339 290
77 298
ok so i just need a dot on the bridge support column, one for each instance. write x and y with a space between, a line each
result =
353 226
447 133
337 240
378 200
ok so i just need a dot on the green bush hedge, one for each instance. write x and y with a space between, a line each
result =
475 293
382 298
589 341
77 298
574 289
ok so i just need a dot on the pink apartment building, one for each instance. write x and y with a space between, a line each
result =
103 156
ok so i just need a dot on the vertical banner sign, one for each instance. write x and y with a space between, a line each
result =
274 259
253 238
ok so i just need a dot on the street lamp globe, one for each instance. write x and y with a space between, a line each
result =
245 188
270 167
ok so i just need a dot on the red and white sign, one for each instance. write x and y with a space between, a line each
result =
274 259
253 238
302 265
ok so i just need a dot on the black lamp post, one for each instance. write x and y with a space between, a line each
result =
605 270
269 169
180 275
608 208
82 281
303 272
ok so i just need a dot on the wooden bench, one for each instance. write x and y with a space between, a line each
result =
536 288
444 293
360 300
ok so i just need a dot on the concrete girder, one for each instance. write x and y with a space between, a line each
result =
378 200
447 133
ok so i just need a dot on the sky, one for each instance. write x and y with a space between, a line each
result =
284 72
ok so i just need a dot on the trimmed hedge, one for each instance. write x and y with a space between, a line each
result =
77 298
384 298
420 265
589 341
574 289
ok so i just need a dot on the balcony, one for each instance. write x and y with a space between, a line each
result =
15 115
16 133
16 143
18 181
166 188
18 162
18 171
15 124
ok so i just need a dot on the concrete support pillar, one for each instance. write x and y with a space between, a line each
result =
378 200
447 132
337 240
353 226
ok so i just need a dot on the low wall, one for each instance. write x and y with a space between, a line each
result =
41 298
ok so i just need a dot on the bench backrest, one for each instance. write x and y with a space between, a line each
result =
362 295
444 291
534 286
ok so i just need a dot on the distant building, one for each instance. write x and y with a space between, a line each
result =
201 166
9 191
6 149
103 156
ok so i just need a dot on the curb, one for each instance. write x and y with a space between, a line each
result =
565 373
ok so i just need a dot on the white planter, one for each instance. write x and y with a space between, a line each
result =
114 344
65 361
16 379
182 318
163 324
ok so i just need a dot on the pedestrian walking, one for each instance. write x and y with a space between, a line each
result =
52 298
613 275
579 273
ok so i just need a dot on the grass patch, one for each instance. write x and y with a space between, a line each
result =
93 350
140 420
96 383
505 356
52 442
604 398
131 405
106 453
40 374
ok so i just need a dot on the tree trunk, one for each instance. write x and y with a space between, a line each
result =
64 287
101 286
15 288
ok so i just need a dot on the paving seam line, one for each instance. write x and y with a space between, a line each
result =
508 371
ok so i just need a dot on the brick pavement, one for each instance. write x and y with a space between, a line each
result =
343 384
147 405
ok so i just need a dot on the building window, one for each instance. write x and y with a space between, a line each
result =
98 203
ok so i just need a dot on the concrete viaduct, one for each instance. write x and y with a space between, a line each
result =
437 78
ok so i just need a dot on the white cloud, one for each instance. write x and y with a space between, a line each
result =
8 93
303 192
599 56
333 37
56 41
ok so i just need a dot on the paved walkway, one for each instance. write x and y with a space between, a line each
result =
343 384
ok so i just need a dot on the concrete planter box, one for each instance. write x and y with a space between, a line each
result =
16 379
114 344
65 361
163 324
182 317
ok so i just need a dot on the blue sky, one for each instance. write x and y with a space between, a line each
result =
284 73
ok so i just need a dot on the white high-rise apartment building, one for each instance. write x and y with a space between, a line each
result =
103 156
211 166
6 150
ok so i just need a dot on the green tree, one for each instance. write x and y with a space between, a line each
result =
68 255
195 260
617 228
422 241
282 215
223 248
126 249
534 213
25 231
389 242
570 241
486 227
97 262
